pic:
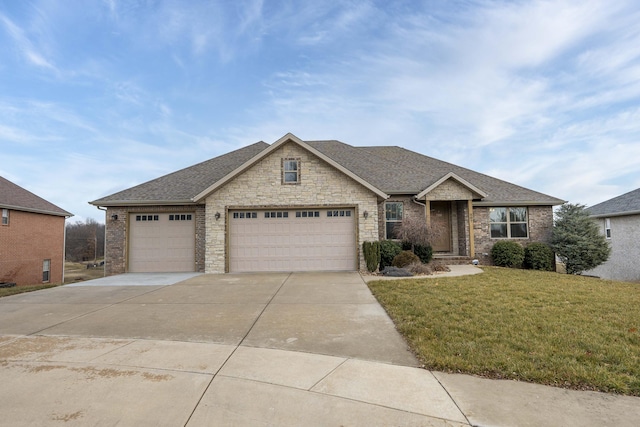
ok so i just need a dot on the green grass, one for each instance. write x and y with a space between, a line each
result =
548 328
5 292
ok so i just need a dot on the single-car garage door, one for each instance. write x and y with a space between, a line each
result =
161 242
292 240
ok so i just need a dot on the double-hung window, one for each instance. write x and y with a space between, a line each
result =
607 228
509 223
46 270
290 171
393 217
5 216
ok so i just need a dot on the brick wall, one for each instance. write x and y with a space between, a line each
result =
410 210
116 234
540 229
26 242
260 186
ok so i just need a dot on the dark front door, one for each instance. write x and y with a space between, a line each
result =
441 226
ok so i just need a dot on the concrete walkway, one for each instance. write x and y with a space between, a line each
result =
254 350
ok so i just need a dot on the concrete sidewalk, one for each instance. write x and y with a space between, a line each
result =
265 350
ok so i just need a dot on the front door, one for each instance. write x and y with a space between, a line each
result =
441 226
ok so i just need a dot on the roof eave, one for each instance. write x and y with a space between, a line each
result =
518 203
614 214
112 203
38 211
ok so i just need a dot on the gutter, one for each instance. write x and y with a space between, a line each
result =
614 214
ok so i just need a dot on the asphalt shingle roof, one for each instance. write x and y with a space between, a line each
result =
186 183
12 196
394 170
626 203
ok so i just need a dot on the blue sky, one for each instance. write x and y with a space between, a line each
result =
97 96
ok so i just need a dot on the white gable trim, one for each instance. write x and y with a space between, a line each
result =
289 137
455 177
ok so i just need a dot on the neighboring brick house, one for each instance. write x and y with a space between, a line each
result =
32 233
309 205
619 221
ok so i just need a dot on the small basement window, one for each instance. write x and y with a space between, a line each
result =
46 270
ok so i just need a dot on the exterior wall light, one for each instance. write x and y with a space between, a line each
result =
114 217
217 216
365 214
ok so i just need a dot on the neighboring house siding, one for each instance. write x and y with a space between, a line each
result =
540 227
26 242
116 234
625 250
260 186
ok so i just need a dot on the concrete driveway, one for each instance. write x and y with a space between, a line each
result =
256 350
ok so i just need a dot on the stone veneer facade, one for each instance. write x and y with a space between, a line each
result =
116 231
321 185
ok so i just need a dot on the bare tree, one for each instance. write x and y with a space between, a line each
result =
85 241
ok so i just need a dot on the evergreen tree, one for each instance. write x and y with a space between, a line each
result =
577 240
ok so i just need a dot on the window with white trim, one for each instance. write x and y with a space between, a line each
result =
607 228
5 216
393 212
509 223
291 171
46 270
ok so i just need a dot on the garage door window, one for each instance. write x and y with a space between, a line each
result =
181 217
308 214
147 218
338 213
276 214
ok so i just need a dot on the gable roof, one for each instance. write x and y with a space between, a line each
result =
14 197
625 204
383 170
289 137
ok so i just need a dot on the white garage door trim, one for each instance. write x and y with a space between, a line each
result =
303 239
161 242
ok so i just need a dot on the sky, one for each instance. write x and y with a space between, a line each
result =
100 95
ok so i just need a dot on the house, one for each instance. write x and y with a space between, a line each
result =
309 205
32 234
619 220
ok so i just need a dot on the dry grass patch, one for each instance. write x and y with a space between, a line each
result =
548 328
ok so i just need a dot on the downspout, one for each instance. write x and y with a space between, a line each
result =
104 250
426 211
64 247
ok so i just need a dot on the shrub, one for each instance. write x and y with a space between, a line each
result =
388 251
405 258
419 268
371 252
538 256
507 253
423 251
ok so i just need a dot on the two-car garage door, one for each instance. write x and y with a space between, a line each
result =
292 240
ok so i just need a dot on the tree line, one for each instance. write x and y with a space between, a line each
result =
85 241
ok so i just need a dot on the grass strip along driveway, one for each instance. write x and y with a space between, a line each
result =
548 328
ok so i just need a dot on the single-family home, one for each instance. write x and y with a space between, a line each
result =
619 221
300 205
32 233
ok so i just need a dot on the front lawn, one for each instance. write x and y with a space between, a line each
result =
563 330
